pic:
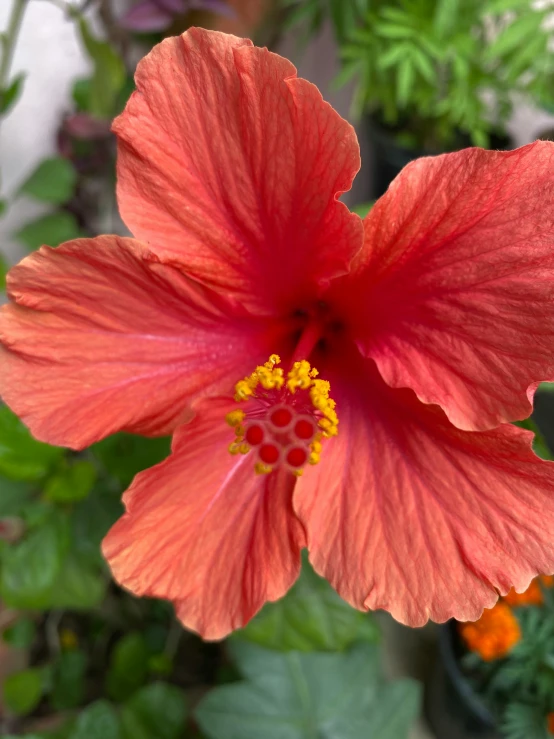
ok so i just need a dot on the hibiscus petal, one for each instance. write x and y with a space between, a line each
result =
102 337
204 530
457 282
408 513
231 166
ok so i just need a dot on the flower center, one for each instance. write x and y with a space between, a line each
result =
284 421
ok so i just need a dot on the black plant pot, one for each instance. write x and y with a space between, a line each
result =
389 157
453 709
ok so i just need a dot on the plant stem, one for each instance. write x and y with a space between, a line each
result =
8 41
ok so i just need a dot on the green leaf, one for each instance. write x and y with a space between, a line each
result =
520 30
81 94
71 484
21 635
9 96
128 668
51 229
446 12
158 710
23 691
91 520
97 721
310 617
540 447
14 497
53 181
523 721
4 267
301 696
109 74
422 62
395 54
390 31
362 209
30 567
123 455
78 585
21 456
68 689
404 79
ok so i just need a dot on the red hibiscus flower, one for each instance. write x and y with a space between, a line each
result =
432 320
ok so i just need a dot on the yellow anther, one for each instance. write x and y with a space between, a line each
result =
266 375
329 428
244 448
244 389
300 376
316 446
270 378
233 448
262 469
298 473
235 418
313 458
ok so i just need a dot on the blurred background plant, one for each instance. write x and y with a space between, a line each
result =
494 678
435 75
509 661
432 71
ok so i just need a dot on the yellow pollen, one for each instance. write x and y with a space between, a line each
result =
235 418
262 469
267 375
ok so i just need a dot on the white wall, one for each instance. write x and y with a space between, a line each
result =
48 51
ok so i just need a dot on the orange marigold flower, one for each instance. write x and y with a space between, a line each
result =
533 596
530 597
550 722
494 634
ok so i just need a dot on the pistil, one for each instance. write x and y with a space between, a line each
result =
284 420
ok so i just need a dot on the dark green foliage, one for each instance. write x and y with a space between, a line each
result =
299 696
519 689
52 181
68 680
523 721
100 95
157 710
423 66
311 618
52 229
22 691
10 94
128 667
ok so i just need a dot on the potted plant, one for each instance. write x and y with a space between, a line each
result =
496 676
435 75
